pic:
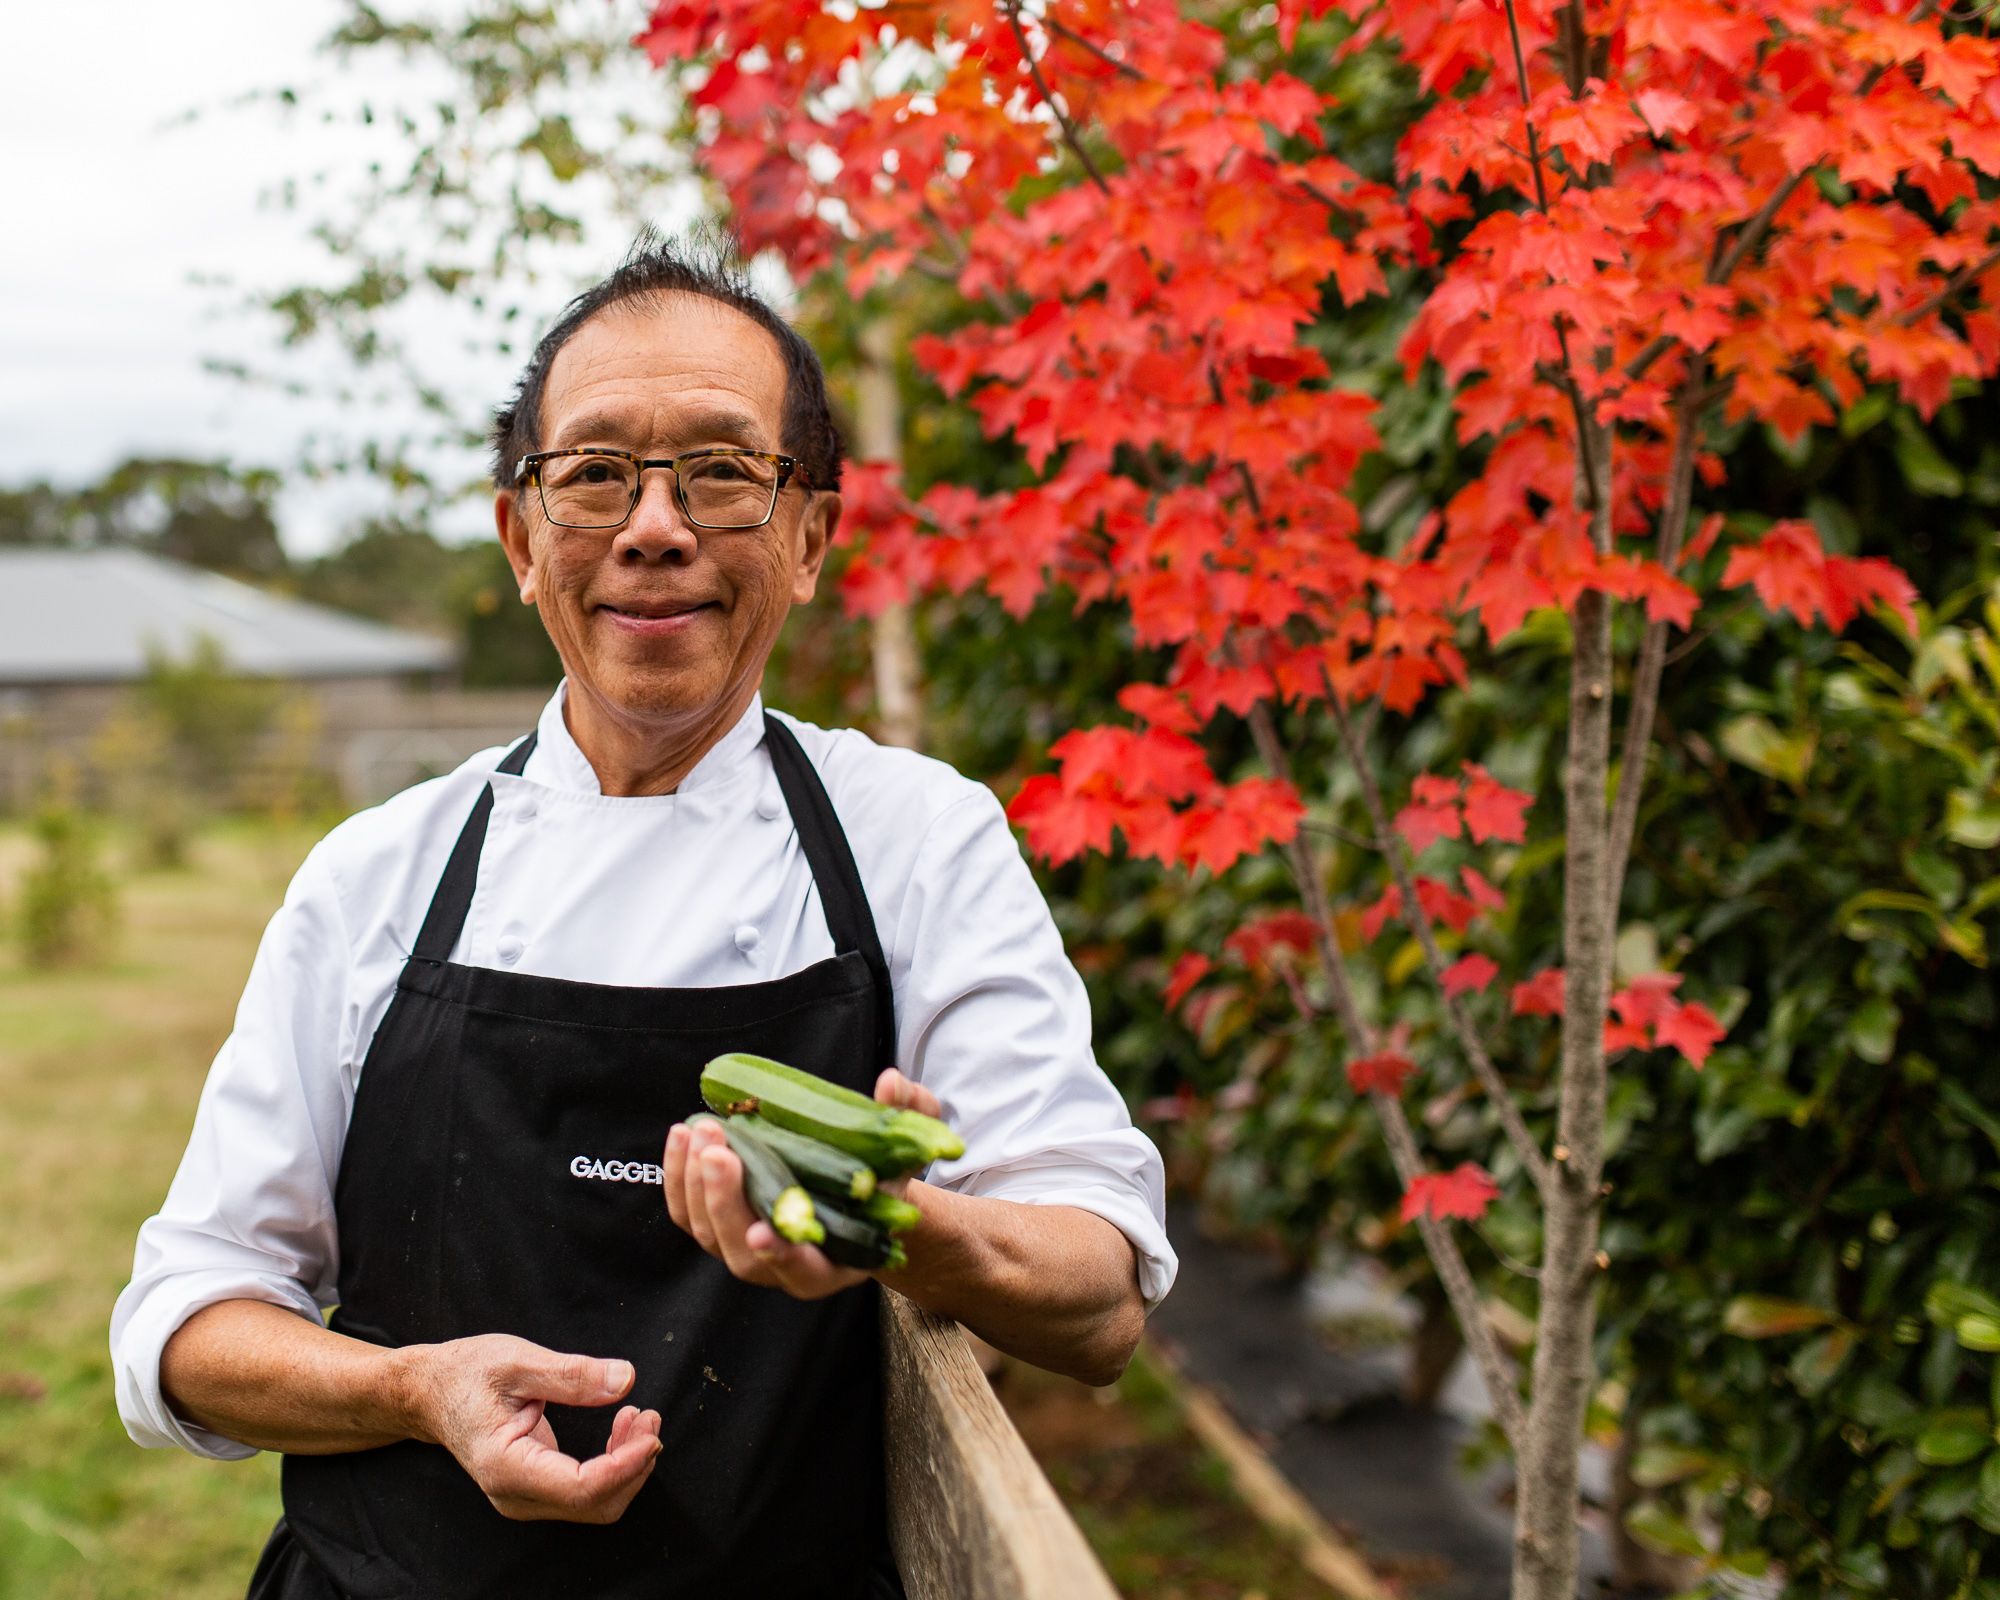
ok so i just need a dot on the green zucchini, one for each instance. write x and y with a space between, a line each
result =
819 1165
850 1240
884 1210
768 1184
893 1142
856 1242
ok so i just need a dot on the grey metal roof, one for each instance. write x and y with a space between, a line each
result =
89 616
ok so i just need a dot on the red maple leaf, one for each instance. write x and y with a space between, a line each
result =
1646 998
1484 895
1467 974
1258 941
1192 967
1385 1071
1541 995
1388 905
1431 815
1691 1029
1465 1192
1492 810
1626 1036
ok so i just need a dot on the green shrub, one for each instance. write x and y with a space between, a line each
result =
68 910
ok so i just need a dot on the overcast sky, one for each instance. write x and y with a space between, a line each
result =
117 205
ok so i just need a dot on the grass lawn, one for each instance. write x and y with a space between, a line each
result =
100 1069
99 1072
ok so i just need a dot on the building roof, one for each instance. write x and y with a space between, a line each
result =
92 616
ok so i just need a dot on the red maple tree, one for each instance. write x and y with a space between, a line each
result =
1632 212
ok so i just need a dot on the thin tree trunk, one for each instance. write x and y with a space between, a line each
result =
1434 1348
1545 1564
899 712
1494 1370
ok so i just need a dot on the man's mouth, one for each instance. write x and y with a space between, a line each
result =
656 611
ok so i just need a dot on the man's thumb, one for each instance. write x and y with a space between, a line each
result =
583 1380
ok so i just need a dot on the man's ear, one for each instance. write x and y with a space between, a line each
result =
816 530
513 530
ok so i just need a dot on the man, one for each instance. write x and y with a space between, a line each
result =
461 1067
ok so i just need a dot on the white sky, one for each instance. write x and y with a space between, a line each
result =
117 205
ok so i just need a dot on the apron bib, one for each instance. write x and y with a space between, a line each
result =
501 1176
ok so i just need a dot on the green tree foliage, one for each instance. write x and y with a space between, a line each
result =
201 512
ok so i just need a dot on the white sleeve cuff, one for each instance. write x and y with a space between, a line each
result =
142 1323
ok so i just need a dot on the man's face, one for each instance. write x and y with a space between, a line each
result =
657 621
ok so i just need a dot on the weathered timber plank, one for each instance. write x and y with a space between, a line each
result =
970 1514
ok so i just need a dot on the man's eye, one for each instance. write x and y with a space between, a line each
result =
597 472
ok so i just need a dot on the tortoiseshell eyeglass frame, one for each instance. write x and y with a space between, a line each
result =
529 471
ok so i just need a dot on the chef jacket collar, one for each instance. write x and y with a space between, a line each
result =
559 764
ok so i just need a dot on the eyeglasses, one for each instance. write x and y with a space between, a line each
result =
594 488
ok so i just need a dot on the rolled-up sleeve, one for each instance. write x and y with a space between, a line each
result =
995 1021
250 1213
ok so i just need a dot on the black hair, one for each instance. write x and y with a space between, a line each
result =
653 268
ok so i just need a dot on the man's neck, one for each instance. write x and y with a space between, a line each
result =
644 757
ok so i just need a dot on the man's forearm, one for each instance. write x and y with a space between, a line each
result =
265 1376
1054 1285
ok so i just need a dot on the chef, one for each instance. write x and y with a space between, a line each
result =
442 1236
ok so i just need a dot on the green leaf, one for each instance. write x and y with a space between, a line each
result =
1819 1363
1936 876
1755 742
1986 1508
1925 469
1864 1568
1657 1528
1878 1403
1762 1316
1949 1497
1953 1436
1654 1466
1949 1302
1872 1029
1979 1333
1972 820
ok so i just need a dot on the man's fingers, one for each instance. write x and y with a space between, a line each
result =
893 1089
532 1481
673 1173
729 1215
573 1380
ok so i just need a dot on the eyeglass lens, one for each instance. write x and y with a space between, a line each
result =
719 491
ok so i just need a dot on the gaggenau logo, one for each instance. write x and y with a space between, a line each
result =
616 1171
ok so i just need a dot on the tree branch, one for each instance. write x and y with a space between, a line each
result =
1076 38
1957 281
1534 147
1445 1255
1419 921
1041 87
1652 652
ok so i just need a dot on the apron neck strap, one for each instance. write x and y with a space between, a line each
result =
841 895
453 899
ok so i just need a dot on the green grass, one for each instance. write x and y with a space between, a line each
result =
100 1068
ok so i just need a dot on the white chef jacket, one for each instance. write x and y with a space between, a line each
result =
701 888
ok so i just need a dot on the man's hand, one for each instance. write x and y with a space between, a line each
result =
277 1381
483 1399
704 1187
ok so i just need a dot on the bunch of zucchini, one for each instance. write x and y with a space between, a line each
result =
813 1153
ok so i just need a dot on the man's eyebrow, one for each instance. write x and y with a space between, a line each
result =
706 426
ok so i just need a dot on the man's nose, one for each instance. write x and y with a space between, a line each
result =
657 530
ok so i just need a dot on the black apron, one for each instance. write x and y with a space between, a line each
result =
494 1181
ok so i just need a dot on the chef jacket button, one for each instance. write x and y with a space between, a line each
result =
528 811
768 807
746 938
510 947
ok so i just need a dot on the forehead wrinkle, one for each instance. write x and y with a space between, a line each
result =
708 423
